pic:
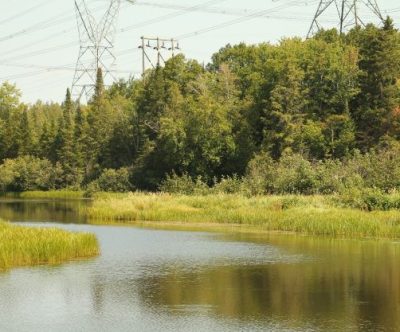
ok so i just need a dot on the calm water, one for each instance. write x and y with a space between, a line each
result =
152 280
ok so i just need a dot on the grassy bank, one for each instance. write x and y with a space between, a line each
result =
27 246
312 215
52 194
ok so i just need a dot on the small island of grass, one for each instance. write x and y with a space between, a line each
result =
309 215
28 246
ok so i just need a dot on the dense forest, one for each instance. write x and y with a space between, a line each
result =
301 116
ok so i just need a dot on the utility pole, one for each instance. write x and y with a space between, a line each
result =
347 11
158 45
96 47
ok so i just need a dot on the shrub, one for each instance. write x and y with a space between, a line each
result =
28 173
229 185
295 175
112 180
183 184
260 175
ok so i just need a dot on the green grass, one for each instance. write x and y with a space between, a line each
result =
52 194
312 215
28 246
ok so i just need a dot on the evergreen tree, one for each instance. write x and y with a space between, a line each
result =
24 135
374 108
101 120
46 141
81 142
66 154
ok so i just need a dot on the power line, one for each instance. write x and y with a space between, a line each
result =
184 36
26 11
180 11
139 25
224 24
152 21
45 69
235 21
40 52
42 25
57 34
212 10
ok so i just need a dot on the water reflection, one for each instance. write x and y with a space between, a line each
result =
350 285
152 280
59 210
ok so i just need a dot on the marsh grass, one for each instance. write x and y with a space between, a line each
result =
28 246
312 215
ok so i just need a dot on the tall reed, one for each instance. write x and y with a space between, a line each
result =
27 246
314 215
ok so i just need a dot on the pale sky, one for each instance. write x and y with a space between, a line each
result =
40 42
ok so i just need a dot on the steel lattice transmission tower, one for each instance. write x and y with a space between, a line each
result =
96 47
348 11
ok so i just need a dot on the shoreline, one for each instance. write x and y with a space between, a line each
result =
316 215
313 215
227 228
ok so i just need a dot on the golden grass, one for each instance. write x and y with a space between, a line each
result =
313 215
28 246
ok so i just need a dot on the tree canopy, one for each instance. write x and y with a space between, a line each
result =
325 98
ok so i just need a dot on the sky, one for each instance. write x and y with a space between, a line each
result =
39 39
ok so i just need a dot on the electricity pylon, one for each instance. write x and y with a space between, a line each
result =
96 47
160 46
348 12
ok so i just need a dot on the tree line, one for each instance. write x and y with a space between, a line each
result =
328 99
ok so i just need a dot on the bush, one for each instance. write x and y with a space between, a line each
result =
29 173
333 176
369 199
260 175
229 185
295 175
184 184
112 180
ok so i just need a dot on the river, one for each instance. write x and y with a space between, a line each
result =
170 280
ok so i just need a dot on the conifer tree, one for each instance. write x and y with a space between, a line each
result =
81 131
46 141
24 135
66 155
100 120
374 109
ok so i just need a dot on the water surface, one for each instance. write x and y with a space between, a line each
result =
156 280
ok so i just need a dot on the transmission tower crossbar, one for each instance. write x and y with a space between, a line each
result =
348 13
151 44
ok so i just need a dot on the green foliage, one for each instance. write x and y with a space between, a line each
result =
183 185
29 173
295 175
259 179
113 180
320 115
374 108
368 199
229 185
67 156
